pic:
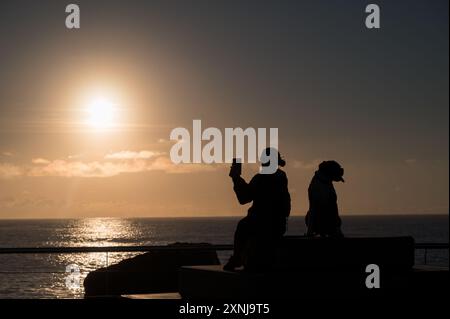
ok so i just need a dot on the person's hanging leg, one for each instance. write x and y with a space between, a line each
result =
241 236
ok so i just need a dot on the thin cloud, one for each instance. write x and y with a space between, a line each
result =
305 165
64 168
8 154
411 161
110 165
127 155
9 170
40 161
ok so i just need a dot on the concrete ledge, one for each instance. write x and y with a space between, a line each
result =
168 296
211 282
293 253
152 272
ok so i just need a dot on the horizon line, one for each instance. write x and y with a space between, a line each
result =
212 216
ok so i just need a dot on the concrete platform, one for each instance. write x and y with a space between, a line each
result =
167 296
212 282
298 252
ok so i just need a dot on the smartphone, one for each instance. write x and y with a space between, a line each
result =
236 167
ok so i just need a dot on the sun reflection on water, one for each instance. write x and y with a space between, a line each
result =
103 232
90 232
44 275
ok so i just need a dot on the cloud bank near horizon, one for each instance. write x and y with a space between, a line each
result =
111 164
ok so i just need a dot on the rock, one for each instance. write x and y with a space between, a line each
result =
152 272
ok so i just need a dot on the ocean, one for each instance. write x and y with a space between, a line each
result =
44 275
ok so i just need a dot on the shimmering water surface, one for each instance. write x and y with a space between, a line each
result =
44 275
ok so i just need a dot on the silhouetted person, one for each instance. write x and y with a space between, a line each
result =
267 217
323 215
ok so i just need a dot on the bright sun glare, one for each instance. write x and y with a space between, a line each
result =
101 113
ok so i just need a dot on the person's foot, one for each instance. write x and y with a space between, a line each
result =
231 265
228 267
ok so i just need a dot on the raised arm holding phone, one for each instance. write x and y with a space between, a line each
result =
267 217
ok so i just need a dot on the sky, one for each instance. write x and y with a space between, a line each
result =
374 100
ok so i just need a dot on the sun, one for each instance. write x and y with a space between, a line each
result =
102 113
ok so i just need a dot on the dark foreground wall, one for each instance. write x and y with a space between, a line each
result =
292 268
152 272
213 283
319 268
347 254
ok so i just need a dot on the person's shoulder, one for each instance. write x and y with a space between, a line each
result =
281 173
255 178
277 174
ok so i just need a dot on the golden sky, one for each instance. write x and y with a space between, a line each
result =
375 102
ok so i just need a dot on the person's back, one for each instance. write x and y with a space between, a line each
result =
270 196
